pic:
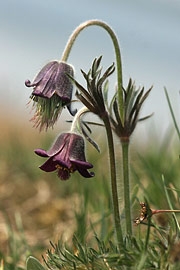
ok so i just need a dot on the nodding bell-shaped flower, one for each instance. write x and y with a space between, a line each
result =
66 156
52 91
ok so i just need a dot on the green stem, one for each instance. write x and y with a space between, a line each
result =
170 206
117 220
148 234
76 121
127 204
117 53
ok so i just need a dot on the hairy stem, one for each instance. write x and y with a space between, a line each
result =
117 53
117 220
127 204
76 121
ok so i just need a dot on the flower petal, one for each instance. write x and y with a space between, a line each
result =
76 144
64 85
58 144
41 152
82 164
62 162
46 86
85 172
49 165
44 70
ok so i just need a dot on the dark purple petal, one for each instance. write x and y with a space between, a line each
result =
58 145
77 148
63 163
64 85
46 86
41 152
82 164
47 69
37 93
50 88
28 83
64 98
85 173
49 165
41 74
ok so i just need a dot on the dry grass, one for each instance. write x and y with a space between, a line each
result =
28 193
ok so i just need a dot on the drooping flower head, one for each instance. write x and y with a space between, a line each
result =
66 155
52 91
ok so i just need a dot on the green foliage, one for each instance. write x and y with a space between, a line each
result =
156 242
96 238
33 264
138 254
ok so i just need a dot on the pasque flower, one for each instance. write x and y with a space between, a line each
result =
52 91
66 155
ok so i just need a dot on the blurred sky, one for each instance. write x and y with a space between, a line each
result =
35 32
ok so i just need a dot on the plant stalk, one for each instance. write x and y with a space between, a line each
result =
127 203
117 221
114 39
154 212
76 121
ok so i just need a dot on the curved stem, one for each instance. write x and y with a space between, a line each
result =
127 206
75 123
117 220
117 53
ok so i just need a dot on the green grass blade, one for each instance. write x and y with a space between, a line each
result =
172 112
170 206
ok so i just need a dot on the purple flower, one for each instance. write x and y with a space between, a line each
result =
52 91
66 155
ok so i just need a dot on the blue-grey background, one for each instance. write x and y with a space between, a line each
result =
35 32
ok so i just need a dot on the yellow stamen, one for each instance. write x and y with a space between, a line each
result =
58 166
70 170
